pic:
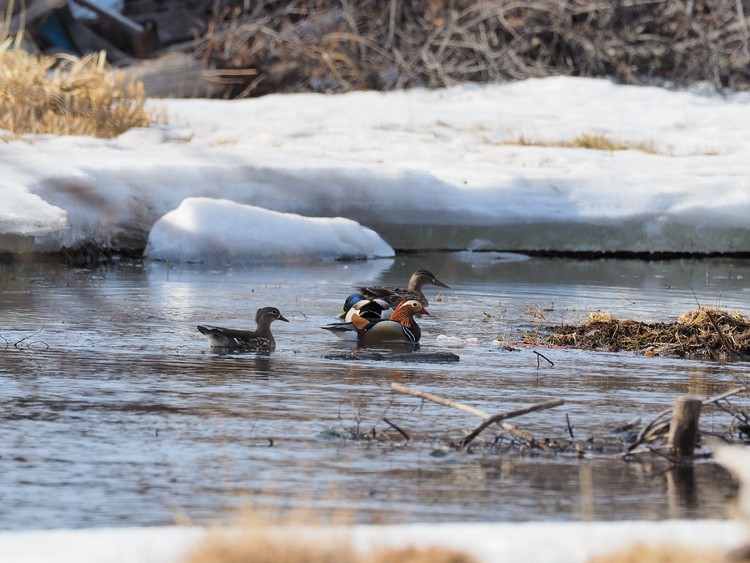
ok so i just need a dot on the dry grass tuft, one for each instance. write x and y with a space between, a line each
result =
66 95
261 545
660 554
256 547
705 333
300 537
591 142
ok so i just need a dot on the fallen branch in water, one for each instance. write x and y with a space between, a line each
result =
487 419
510 414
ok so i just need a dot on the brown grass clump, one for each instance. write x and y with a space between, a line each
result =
259 545
302 536
592 142
705 333
65 95
660 554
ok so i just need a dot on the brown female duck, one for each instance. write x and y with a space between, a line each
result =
394 295
259 340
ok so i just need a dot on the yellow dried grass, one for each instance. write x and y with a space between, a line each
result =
586 141
300 536
660 554
66 95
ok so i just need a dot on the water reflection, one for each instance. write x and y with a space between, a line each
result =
120 415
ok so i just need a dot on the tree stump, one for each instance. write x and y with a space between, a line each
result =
683 429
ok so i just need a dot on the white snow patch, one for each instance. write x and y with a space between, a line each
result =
218 230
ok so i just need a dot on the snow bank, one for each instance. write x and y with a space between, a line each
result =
218 230
424 169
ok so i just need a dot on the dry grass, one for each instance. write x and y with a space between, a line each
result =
705 333
301 535
660 554
592 142
67 95
259 544
255 546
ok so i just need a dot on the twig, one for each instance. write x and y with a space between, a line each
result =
397 429
15 344
570 428
538 355
509 414
511 429
627 426
724 342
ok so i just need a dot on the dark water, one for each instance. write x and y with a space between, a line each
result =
112 412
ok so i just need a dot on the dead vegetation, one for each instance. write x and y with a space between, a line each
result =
65 95
592 142
340 45
705 333
661 554
274 538
255 47
663 436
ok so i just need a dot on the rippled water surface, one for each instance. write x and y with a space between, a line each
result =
113 412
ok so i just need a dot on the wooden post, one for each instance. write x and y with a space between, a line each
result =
684 426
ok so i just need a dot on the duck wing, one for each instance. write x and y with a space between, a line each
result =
234 339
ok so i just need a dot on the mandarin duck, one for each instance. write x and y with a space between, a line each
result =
401 327
371 309
394 295
258 340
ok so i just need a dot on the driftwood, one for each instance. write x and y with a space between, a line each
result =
411 357
487 419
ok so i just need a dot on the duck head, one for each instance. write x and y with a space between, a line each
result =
266 315
421 278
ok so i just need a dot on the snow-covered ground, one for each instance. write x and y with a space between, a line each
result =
532 542
424 169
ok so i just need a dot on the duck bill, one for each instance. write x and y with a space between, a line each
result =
283 318
438 283
425 312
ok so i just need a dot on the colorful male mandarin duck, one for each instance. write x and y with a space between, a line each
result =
371 309
394 295
401 327
258 340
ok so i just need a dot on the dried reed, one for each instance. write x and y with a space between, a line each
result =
65 95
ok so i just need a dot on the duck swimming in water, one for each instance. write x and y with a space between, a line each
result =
259 340
400 327
372 309
413 291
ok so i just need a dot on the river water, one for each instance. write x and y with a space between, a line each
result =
115 413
